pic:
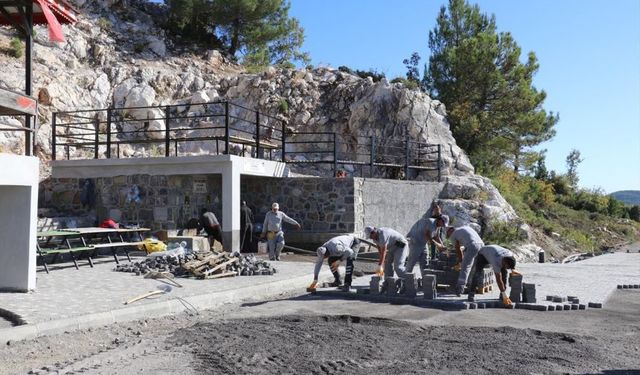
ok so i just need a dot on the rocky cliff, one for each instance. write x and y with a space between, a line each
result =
117 56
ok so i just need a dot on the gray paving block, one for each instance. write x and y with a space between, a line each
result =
575 301
558 299
582 306
619 286
566 307
482 305
625 286
636 286
550 298
595 305
473 305
574 306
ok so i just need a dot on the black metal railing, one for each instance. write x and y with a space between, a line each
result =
173 130
224 127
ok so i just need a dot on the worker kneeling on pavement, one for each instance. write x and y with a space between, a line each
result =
392 251
335 250
470 239
501 260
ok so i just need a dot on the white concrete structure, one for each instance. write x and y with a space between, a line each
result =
18 219
231 167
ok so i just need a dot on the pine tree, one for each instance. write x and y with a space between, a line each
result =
496 114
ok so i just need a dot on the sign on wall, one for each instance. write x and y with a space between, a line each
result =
200 186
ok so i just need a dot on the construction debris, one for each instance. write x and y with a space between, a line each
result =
209 265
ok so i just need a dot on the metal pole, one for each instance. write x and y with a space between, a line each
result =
109 133
167 132
96 140
439 162
284 135
226 128
257 134
406 159
372 155
53 136
335 154
28 70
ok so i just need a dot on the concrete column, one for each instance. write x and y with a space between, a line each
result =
18 222
231 204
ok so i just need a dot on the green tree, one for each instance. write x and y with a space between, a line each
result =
634 212
573 160
413 72
495 113
259 30
191 20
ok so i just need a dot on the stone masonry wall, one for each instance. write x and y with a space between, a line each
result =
319 204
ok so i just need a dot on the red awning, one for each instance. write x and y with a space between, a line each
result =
45 12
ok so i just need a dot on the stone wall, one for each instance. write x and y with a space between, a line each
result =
319 204
392 203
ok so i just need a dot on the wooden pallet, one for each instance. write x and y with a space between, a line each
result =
211 265
484 289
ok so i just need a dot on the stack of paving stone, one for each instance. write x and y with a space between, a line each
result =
201 265
442 268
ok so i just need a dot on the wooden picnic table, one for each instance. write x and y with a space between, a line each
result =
85 240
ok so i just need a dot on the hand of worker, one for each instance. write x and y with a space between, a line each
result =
314 284
298 227
515 273
506 300
380 271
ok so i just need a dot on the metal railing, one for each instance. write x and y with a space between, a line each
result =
224 127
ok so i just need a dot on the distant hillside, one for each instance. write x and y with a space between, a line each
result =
630 197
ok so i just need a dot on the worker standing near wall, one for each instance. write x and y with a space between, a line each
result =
336 250
501 260
272 229
470 239
393 250
422 233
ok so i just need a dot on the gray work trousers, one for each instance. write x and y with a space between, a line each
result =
468 257
418 254
394 261
276 244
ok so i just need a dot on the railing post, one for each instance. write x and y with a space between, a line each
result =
167 132
226 128
335 154
372 155
406 159
257 134
109 133
53 135
439 162
284 142
96 139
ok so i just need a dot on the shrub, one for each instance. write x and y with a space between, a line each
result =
139 47
104 24
17 48
283 106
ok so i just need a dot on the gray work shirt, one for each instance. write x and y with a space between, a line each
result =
418 232
466 236
208 219
494 255
340 246
388 237
273 221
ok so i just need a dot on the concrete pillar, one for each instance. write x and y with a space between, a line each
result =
18 222
231 205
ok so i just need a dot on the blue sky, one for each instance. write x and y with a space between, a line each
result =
588 50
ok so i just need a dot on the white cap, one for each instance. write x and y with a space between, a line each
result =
275 205
368 230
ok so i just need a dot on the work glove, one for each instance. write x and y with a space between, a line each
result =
380 271
457 267
314 284
506 300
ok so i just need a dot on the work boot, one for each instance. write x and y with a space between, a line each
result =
335 283
459 290
471 297
278 258
346 288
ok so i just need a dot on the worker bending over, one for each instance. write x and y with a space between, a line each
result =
272 228
469 238
501 260
335 250
392 251
421 234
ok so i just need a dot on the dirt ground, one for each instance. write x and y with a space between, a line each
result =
313 335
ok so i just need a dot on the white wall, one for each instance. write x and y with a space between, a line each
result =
18 219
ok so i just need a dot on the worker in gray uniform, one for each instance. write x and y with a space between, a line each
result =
422 233
501 260
470 239
272 229
392 251
336 250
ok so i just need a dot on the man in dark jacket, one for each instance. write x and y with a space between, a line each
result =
246 228
209 222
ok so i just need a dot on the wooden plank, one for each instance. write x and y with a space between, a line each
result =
219 275
12 103
117 244
219 266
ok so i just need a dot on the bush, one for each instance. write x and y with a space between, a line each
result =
17 48
283 106
410 84
139 47
104 24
